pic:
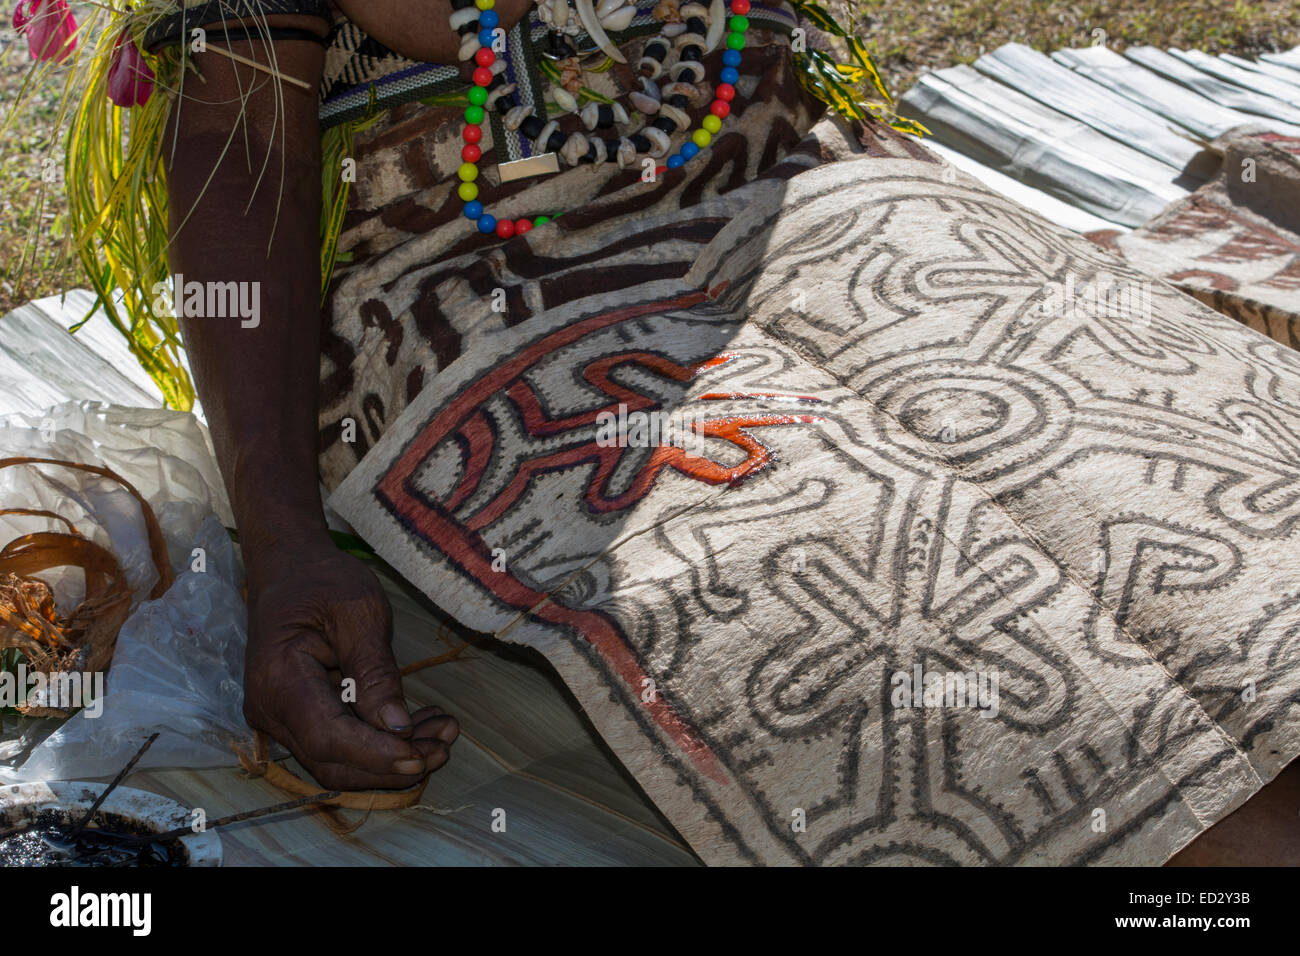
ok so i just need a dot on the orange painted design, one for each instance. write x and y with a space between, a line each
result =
464 420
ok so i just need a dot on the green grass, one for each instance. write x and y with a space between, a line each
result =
31 209
909 37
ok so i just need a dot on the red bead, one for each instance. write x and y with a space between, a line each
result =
482 76
522 226
740 6
725 91
485 56
471 133
505 228
471 153
720 109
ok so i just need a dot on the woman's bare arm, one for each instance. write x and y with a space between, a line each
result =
258 384
419 29
246 209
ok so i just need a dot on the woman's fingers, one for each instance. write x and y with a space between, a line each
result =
364 650
434 734
436 726
310 642
341 750
326 733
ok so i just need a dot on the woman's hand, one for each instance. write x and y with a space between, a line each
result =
317 618
247 209
314 612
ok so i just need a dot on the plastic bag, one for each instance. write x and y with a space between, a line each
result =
178 666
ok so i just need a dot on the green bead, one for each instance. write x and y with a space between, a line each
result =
473 115
711 123
477 95
541 220
735 41
739 24
701 138
467 191
468 172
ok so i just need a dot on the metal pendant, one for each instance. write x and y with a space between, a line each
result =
550 47
540 165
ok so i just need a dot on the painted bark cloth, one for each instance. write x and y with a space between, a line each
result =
1235 242
921 454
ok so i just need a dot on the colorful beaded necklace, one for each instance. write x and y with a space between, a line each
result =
684 29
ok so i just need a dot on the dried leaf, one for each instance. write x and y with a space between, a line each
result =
85 639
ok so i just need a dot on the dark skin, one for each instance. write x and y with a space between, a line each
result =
316 614
247 209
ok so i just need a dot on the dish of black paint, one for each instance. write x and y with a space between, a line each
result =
47 841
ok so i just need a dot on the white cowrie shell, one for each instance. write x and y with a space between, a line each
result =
673 29
694 10
683 67
564 99
560 13
468 46
680 88
575 147
659 141
620 19
462 17
678 116
545 136
599 146
654 66
504 89
516 115
590 115
606 7
620 114
643 104
626 152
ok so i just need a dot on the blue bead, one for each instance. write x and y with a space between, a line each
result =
473 209
488 18
675 162
689 150
731 58
485 37
730 75
487 223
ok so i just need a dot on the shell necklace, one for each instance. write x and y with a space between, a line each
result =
691 31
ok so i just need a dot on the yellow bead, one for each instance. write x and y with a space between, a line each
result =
484 4
467 191
701 138
468 172
711 123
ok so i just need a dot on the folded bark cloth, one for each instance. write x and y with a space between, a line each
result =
1235 242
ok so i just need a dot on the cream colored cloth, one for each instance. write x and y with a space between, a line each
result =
1235 242
929 447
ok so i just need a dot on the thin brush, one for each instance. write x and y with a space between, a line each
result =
121 775
234 818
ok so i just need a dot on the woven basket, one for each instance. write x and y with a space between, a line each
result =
83 640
